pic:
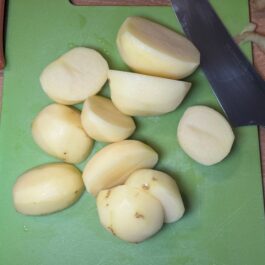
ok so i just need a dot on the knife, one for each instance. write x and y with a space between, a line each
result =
238 87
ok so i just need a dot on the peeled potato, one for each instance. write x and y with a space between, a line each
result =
113 164
162 187
58 131
48 188
102 121
205 135
142 95
153 49
129 213
75 76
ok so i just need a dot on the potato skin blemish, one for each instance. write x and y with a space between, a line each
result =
108 194
145 187
138 215
111 230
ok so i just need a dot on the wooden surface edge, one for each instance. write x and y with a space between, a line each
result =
257 17
2 12
121 2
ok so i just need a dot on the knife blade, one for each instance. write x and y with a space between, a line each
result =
238 87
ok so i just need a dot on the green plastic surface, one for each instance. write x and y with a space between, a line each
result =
224 220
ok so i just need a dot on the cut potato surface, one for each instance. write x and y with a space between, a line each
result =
48 188
58 131
205 135
104 122
153 49
75 76
129 213
143 95
161 186
113 164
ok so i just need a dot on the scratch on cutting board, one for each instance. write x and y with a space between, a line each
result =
228 220
100 261
201 190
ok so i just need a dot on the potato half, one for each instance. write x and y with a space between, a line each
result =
153 49
58 131
76 75
161 186
205 135
113 164
48 188
102 121
129 213
143 95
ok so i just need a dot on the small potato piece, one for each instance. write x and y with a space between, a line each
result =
205 135
76 75
143 95
102 121
161 186
48 188
58 131
150 48
112 165
129 213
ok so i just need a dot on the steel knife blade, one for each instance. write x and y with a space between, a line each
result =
239 88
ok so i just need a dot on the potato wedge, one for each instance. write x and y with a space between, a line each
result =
129 213
150 48
143 95
161 186
102 121
75 76
58 131
205 135
113 164
48 188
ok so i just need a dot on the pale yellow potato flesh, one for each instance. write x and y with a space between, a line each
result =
150 48
131 214
112 165
143 95
58 131
161 186
205 135
103 122
75 76
48 188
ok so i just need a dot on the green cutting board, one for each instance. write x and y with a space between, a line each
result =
224 219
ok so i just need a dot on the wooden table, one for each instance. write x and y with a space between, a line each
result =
258 17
